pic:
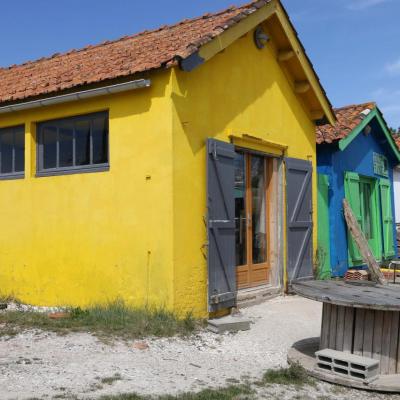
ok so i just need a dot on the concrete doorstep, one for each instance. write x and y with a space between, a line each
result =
230 323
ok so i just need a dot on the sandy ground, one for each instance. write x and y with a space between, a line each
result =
45 365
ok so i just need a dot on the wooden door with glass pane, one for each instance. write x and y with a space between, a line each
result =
252 177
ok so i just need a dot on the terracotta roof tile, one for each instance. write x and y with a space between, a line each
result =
397 140
148 50
348 118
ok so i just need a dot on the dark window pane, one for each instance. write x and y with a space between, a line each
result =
7 142
258 195
100 140
49 147
74 142
65 137
82 143
366 209
240 209
19 143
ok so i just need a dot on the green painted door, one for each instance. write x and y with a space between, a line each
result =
352 194
363 197
387 218
370 210
323 251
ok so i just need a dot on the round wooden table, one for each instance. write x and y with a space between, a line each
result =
362 319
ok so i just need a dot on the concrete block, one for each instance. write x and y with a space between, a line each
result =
229 323
349 365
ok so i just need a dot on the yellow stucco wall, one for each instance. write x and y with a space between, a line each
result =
88 238
242 90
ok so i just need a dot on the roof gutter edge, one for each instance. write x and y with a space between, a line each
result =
81 95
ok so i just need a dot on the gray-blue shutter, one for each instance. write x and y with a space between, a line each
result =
221 225
299 220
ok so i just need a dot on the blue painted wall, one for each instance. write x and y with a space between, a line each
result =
357 157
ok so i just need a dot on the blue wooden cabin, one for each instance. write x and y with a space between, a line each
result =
355 160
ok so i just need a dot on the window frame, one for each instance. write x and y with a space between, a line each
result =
14 174
74 169
375 242
380 165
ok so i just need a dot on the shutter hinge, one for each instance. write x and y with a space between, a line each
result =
204 249
213 150
222 297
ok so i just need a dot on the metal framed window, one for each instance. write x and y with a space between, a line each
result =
381 165
12 152
73 145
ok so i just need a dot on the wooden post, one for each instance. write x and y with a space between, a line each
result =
362 244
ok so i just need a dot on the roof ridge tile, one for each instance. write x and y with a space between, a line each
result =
355 105
348 118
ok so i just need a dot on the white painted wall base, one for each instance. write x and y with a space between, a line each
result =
396 188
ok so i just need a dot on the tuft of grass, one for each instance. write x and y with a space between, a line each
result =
109 380
242 392
7 298
65 396
295 374
8 331
115 319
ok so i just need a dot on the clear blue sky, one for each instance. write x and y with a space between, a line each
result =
353 44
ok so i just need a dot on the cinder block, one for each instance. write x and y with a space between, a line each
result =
229 324
349 365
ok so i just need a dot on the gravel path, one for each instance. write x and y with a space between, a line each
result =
45 365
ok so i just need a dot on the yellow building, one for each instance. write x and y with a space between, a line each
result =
170 168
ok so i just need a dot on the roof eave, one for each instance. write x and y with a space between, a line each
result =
375 113
83 94
208 50
305 63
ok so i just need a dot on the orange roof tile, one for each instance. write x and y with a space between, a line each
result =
348 118
145 51
397 141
